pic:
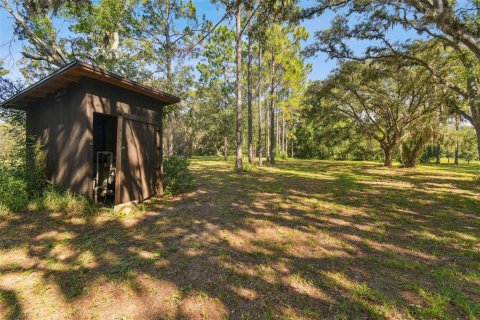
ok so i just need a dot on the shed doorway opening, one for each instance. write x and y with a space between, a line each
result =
104 157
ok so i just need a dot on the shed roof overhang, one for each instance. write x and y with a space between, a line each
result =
72 73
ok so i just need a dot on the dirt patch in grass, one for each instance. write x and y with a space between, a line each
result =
303 240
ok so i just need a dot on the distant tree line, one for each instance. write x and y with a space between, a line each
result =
246 94
423 84
367 111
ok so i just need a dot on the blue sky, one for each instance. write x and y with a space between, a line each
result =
321 66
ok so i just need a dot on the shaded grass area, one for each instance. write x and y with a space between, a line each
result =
303 240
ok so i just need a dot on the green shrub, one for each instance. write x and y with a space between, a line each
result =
177 177
23 184
13 192
22 170
429 154
282 155
13 188
22 175
247 167
469 155
35 179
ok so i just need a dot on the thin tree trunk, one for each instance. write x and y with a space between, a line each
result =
455 159
259 105
168 65
457 127
170 151
286 145
239 155
225 148
166 142
283 133
249 98
272 111
439 153
159 155
277 131
267 136
168 60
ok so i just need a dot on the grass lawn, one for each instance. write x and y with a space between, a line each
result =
303 240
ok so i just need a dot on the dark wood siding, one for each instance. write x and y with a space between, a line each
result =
138 161
138 174
59 123
108 99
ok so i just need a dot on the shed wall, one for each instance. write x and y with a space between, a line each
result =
59 123
106 98
139 155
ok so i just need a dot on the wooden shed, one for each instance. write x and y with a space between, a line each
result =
101 133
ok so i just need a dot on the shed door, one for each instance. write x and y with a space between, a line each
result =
138 161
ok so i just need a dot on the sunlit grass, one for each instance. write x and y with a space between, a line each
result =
306 239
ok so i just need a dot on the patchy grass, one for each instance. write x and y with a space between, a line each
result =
302 240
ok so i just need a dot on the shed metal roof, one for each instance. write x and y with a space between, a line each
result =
72 73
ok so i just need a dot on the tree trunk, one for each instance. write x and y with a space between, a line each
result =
267 136
478 138
249 98
159 169
411 155
476 126
283 133
272 111
169 134
225 148
455 159
286 146
168 67
439 153
277 131
388 150
457 127
259 94
473 101
168 56
239 155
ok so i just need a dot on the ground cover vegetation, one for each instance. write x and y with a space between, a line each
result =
306 239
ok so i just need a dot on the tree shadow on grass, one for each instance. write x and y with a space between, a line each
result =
271 243
12 304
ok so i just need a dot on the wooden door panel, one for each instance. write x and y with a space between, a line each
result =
138 161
